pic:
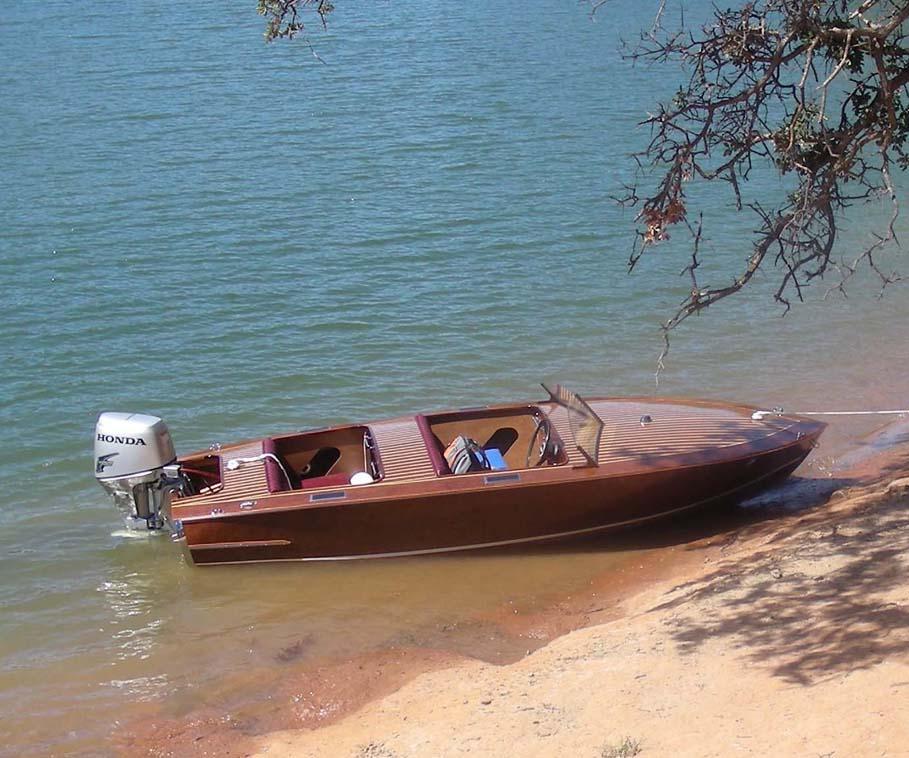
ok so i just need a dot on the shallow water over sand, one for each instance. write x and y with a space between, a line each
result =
244 241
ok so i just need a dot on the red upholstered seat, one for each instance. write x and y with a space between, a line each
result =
278 483
331 480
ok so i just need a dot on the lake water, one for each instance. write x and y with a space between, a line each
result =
243 240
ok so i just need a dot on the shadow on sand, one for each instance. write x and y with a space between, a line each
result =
816 602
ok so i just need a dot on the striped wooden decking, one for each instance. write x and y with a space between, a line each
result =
403 451
248 481
675 429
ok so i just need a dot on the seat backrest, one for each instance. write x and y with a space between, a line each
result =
274 476
433 446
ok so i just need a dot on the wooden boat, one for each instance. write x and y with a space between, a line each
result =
539 471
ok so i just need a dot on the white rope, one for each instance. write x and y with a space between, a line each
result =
854 413
759 415
234 463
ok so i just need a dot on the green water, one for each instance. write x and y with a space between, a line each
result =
242 240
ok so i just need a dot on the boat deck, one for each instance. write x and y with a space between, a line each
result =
676 428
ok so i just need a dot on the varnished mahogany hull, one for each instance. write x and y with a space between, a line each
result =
467 512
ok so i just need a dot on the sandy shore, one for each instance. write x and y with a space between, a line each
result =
791 638
784 636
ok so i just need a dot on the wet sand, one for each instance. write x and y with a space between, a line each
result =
694 609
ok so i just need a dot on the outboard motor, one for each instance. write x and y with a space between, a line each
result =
136 463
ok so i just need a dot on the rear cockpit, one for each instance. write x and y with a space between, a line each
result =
328 458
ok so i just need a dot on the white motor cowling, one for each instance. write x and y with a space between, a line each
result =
135 462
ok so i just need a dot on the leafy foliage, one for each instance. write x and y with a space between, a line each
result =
284 17
816 88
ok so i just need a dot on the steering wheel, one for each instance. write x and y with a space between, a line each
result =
542 424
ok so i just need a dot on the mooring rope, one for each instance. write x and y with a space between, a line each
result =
758 415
